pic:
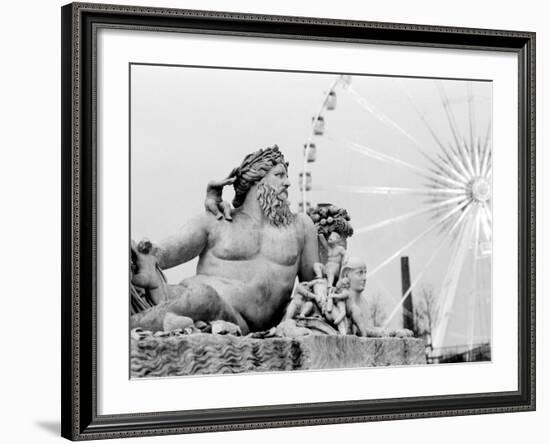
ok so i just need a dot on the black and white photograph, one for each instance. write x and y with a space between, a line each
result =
294 220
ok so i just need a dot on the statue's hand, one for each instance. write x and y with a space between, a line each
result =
303 289
214 202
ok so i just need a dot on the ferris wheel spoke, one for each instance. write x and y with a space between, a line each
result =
371 109
483 154
408 215
455 162
438 171
476 159
489 168
479 154
485 163
463 155
366 151
488 212
440 175
448 167
471 112
437 223
448 112
390 122
444 182
487 135
362 149
461 161
487 152
420 114
477 231
486 225
461 218
450 282
488 164
413 283
391 190
467 159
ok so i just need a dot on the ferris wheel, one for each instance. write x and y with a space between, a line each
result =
454 166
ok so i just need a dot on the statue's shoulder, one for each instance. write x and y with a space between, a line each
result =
305 222
214 225
205 221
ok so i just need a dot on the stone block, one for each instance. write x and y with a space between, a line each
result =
203 353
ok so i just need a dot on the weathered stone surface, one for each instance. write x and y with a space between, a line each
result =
199 353
202 354
322 352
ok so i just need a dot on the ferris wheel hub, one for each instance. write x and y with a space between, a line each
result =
481 189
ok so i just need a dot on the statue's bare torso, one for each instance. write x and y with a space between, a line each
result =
249 263
252 265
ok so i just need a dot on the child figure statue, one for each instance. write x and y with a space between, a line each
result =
336 255
308 298
311 302
338 312
332 304
351 287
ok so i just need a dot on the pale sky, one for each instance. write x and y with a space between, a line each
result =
191 125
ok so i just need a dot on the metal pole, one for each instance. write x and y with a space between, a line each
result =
408 313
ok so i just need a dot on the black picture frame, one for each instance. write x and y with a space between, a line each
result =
79 170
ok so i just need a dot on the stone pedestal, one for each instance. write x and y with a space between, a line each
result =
202 354
324 352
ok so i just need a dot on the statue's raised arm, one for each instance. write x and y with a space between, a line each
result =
186 244
310 253
214 202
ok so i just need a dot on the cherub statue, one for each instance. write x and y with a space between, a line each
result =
308 299
336 255
338 312
303 291
332 304
312 299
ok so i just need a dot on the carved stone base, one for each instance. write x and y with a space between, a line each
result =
324 352
201 354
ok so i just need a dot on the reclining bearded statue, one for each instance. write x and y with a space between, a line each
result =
249 255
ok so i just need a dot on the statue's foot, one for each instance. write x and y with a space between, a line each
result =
220 327
173 321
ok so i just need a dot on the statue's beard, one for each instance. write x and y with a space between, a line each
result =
274 205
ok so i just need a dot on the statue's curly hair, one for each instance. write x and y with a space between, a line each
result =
252 169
